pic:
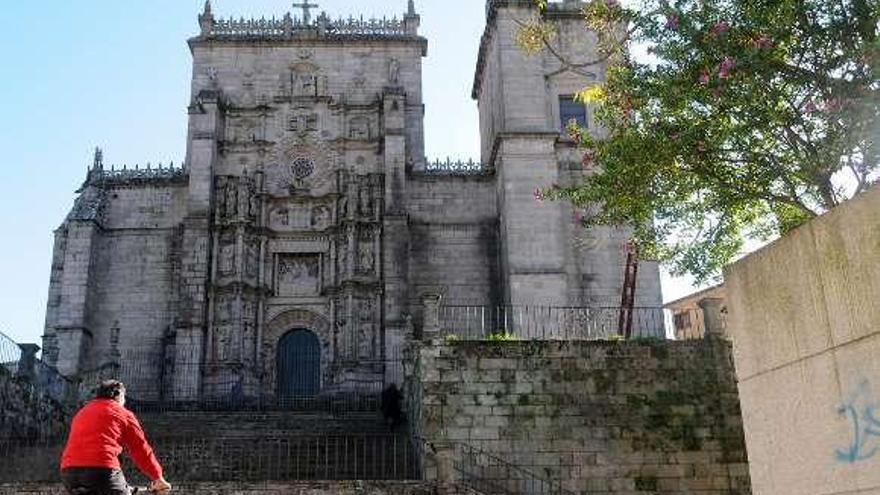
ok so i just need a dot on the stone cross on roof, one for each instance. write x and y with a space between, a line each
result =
306 6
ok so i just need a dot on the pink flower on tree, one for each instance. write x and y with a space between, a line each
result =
672 22
726 66
764 42
704 78
539 197
588 158
720 28
810 107
833 104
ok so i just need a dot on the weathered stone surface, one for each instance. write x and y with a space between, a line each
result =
804 323
598 417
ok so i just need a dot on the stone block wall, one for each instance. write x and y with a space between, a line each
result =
453 239
600 417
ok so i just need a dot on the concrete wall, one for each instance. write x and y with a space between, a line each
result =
804 320
601 417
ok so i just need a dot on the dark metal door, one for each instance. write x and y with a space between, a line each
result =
299 365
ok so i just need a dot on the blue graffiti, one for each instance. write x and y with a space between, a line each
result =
861 411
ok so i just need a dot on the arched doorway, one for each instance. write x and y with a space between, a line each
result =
299 365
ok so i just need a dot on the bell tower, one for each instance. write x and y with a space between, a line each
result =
525 101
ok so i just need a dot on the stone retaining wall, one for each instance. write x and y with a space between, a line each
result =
601 417
25 413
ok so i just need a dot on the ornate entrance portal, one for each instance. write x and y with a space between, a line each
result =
299 365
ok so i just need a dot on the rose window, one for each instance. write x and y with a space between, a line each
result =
302 168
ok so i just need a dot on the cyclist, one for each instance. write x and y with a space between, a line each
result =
98 434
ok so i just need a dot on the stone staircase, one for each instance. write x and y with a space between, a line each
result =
280 446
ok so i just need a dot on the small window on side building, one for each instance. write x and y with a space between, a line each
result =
571 110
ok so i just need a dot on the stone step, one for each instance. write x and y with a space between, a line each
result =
310 488
263 424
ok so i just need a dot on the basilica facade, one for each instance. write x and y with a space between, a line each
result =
289 254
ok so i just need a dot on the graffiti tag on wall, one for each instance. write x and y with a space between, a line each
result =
862 412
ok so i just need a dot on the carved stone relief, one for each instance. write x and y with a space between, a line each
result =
298 274
359 128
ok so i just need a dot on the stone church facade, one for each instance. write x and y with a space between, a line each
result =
305 213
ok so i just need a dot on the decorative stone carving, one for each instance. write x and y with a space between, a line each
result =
226 261
223 342
359 128
298 274
321 217
302 122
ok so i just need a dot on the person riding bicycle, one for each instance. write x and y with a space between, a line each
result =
98 434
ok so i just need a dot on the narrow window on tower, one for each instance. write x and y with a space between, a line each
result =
571 110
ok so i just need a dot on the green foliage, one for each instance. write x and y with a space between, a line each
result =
502 336
451 339
749 118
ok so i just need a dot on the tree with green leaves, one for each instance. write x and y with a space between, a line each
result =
743 119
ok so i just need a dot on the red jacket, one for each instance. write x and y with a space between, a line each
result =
100 430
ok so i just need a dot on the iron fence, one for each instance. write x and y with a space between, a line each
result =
548 322
154 384
249 459
492 475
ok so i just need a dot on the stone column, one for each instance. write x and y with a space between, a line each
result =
27 365
712 319
431 317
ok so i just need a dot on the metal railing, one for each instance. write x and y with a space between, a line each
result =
547 323
258 458
489 474
154 384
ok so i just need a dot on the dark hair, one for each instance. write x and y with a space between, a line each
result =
110 389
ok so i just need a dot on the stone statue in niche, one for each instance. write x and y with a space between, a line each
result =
221 197
223 337
281 217
366 259
252 260
365 310
298 274
343 256
231 198
365 205
253 205
320 217
223 309
394 72
227 259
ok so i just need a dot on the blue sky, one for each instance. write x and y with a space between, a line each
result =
116 74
